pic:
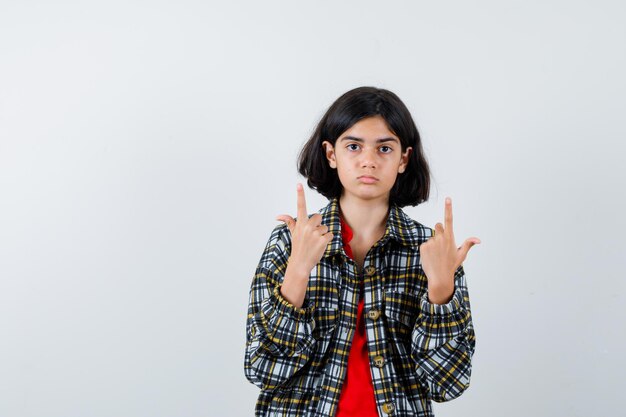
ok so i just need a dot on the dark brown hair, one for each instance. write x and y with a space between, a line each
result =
411 187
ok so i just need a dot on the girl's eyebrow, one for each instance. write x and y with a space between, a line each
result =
361 140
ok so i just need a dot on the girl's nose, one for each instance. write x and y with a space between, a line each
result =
368 158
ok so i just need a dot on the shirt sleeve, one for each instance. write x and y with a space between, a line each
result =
443 342
279 339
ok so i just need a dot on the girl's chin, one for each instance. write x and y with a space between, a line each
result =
367 192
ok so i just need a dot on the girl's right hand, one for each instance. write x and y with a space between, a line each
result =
309 237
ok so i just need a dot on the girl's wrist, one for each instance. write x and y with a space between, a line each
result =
440 294
297 268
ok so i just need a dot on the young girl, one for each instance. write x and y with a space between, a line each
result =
359 310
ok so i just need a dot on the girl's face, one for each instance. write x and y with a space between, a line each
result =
368 148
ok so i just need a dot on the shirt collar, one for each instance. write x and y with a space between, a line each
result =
400 227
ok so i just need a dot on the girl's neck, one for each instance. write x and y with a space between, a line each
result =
366 218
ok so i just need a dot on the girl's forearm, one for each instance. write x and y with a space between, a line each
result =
295 283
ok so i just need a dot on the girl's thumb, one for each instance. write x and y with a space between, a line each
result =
466 246
286 219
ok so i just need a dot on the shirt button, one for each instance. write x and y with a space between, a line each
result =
370 270
388 408
373 314
379 361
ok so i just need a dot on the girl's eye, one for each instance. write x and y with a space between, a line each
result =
387 147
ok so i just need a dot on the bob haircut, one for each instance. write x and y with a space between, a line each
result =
412 186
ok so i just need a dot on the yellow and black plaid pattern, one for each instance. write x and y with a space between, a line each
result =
419 351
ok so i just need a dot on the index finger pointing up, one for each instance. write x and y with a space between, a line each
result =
448 216
302 215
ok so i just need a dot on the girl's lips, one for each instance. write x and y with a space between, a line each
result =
367 180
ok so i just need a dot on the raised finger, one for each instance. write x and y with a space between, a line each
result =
302 215
448 216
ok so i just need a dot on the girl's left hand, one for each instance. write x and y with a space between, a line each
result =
440 258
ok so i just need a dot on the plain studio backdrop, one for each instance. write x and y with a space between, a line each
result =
146 148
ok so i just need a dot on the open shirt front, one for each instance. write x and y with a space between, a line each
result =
419 351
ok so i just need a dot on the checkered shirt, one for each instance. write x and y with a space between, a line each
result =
419 351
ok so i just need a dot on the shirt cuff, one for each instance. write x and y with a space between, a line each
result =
283 327
441 309
439 324
280 303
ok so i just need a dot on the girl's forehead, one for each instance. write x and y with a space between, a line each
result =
371 129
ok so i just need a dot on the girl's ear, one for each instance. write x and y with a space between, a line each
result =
329 151
405 160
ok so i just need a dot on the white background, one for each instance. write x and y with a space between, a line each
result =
146 148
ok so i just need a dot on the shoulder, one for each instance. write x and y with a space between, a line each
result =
280 234
277 248
422 231
414 230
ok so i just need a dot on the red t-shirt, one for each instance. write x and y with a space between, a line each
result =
357 393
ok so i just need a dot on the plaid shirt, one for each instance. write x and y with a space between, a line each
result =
419 351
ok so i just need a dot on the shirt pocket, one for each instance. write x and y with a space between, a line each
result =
401 309
324 322
290 403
